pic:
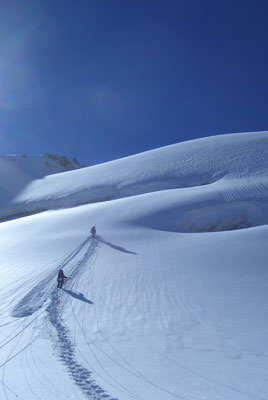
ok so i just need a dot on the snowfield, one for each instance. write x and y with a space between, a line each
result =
194 163
169 301
17 171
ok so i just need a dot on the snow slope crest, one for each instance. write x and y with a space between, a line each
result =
231 168
18 170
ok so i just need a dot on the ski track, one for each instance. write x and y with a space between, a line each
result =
124 364
122 388
34 301
39 294
66 348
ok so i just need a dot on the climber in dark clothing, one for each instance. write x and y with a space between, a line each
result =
61 278
93 231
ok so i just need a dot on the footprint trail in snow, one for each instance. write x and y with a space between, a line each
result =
81 375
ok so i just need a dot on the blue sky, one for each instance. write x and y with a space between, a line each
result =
103 79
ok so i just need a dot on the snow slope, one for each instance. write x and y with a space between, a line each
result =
192 163
17 171
169 301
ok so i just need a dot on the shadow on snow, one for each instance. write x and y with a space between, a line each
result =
78 296
40 293
113 246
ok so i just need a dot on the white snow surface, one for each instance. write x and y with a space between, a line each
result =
169 301
193 163
17 171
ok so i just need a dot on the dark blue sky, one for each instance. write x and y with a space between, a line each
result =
103 79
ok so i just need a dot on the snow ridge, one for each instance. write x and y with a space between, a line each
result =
182 165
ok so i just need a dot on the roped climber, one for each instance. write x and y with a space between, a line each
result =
61 278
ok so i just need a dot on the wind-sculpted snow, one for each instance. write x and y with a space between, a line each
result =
228 204
224 217
189 164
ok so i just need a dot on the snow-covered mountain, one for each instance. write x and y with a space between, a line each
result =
17 171
169 301
219 160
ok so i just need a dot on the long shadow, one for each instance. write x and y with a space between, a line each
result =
78 296
114 246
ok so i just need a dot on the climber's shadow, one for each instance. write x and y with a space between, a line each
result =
114 246
78 296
